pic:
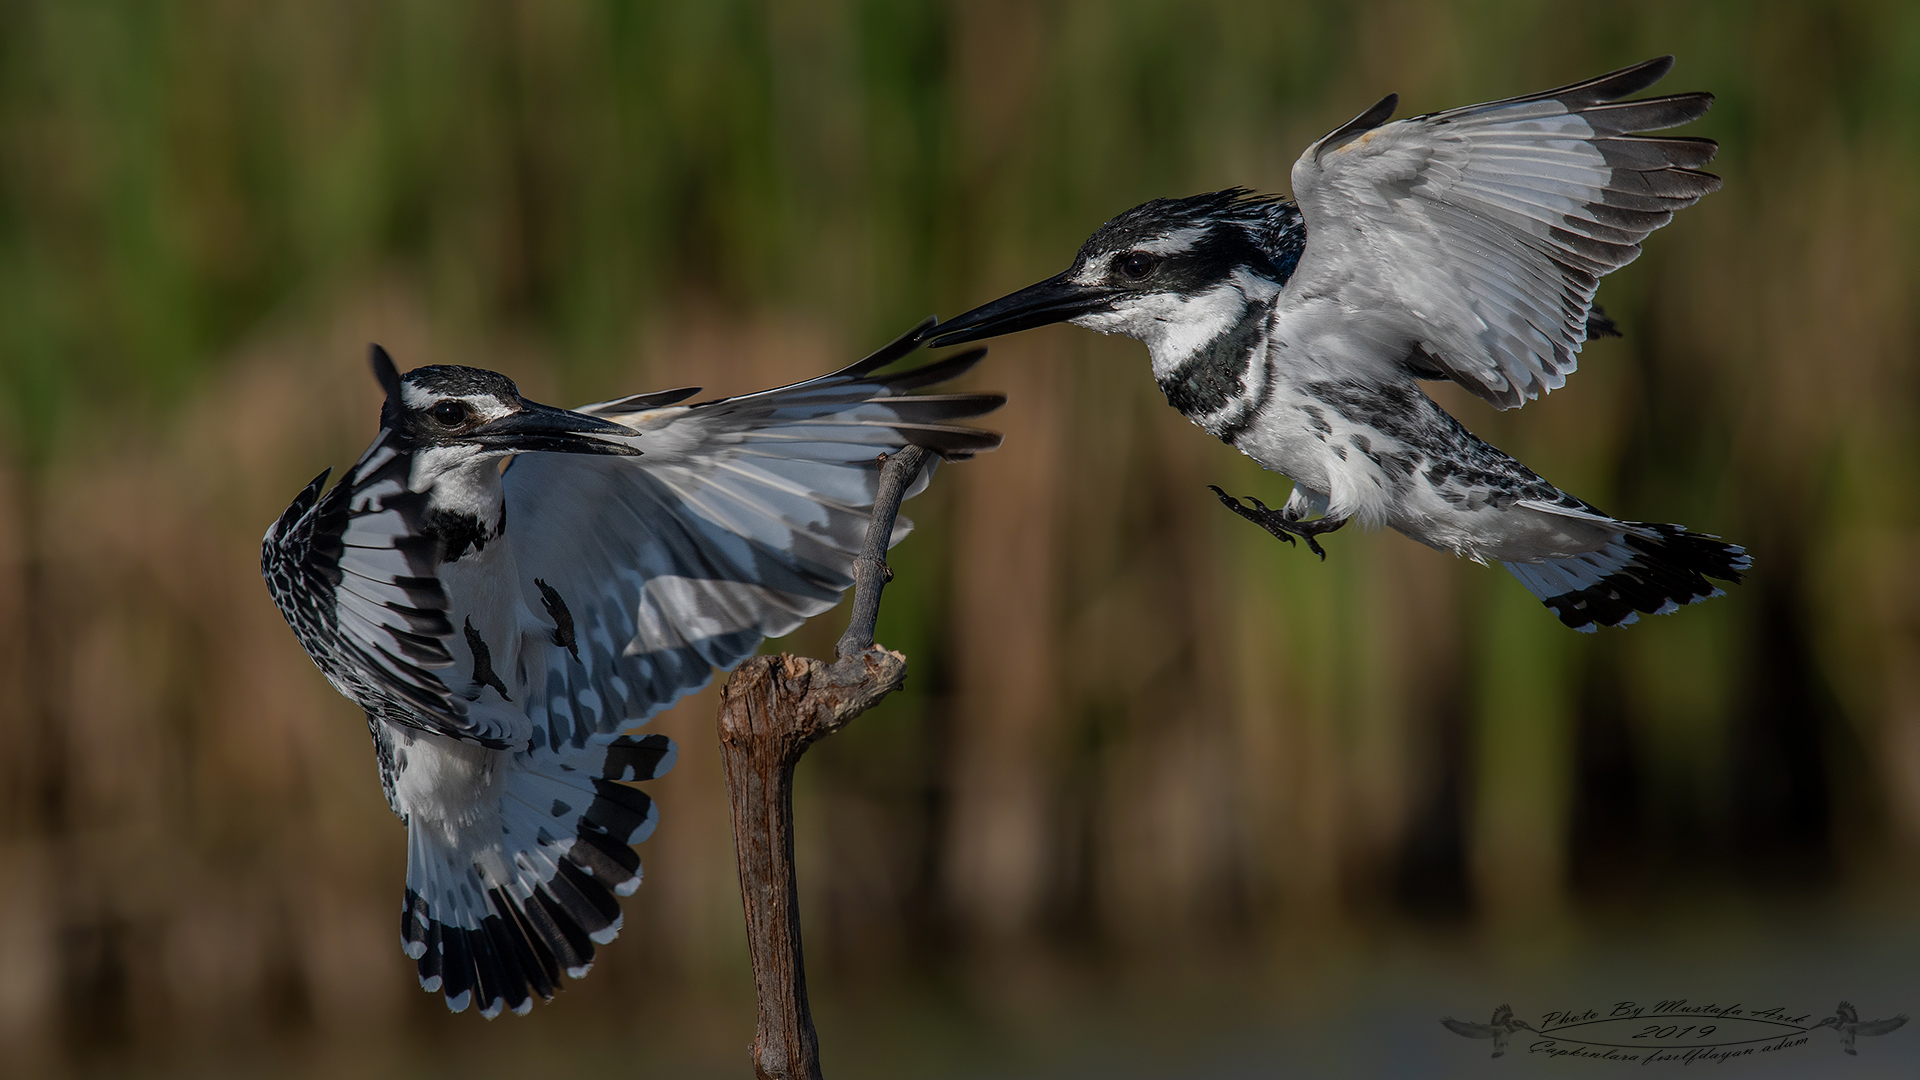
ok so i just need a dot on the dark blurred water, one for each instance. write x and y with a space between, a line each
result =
1360 1006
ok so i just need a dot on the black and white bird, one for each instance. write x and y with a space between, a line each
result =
1502 1028
1846 1020
1462 245
505 628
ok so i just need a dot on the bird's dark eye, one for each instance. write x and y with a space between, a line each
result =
450 413
1137 264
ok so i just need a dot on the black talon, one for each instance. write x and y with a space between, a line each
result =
1233 503
1279 523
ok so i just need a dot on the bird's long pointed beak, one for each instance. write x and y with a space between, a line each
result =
1054 300
538 427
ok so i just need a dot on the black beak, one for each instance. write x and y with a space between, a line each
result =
1053 300
542 427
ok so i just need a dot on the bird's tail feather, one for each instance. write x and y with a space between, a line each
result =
1647 568
506 920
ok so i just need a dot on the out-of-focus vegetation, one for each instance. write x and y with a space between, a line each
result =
1138 729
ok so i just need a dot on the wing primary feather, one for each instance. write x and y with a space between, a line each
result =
658 399
886 354
1595 91
1378 114
939 371
1649 114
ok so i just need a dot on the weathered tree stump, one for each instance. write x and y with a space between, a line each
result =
771 709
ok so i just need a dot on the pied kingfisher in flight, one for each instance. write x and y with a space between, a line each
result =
504 628
1462 245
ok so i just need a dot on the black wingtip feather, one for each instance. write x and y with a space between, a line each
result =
1649 114
951 442
893 388
1600 324
939 371
1594 93
1380 113
893 350
921 415
657 399
1641 153
1704 183
1615 85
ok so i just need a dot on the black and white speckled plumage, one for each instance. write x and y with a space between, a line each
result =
1463 245
505 629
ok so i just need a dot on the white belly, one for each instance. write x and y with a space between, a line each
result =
1321 451
444 785
1348 468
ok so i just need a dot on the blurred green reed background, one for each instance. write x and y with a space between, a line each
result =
1140 736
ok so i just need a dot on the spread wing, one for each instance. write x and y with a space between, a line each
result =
739 519
1879 1027
1469 243
1471 1031
355 573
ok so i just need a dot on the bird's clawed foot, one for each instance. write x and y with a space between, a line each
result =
1280 523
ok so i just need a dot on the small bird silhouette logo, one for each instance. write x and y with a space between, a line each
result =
1847 1022
1504 1025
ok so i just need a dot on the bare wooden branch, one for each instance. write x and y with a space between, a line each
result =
771 710
870 572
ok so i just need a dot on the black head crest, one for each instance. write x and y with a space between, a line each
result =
389 376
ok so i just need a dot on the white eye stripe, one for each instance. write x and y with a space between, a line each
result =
1177 242
1174 242
483 406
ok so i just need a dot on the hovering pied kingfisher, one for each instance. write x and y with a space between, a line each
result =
504 627
1499 1030
1462 245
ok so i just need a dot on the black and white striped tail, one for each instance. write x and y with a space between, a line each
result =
1648 568
502 924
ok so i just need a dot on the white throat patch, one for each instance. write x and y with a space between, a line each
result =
1173 327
